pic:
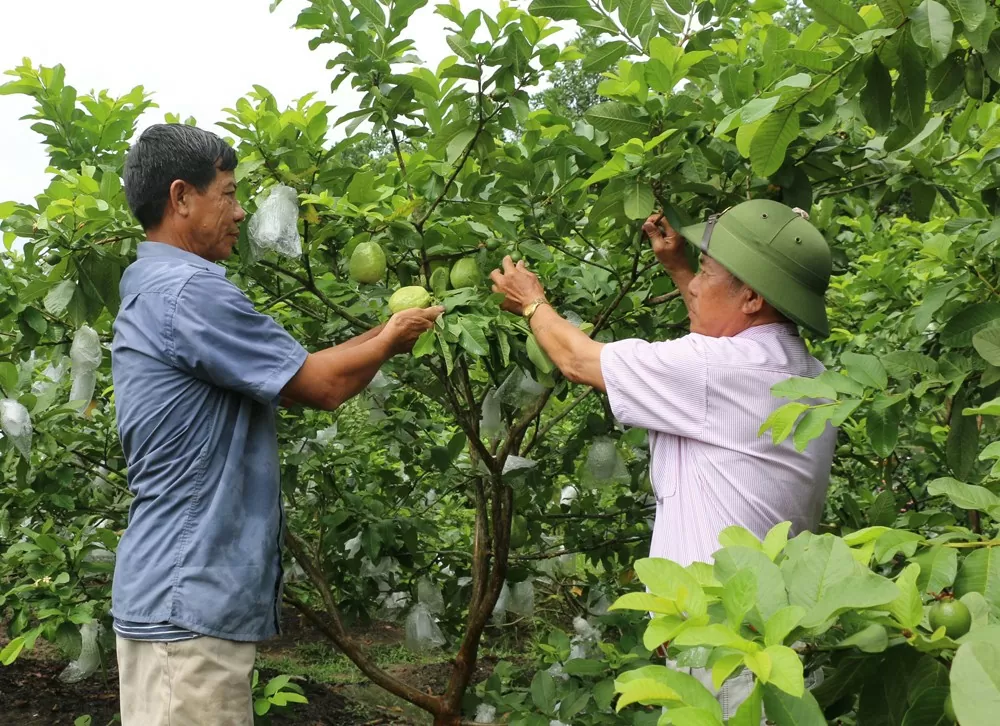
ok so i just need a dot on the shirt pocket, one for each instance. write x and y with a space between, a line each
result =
664 453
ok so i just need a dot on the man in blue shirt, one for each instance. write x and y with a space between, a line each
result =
198 373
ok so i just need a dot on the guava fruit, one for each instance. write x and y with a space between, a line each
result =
368 263
518 531
952 615
405 298
465 273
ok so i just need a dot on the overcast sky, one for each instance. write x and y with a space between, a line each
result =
196 56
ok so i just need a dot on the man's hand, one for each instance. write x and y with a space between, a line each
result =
667 243
403 328
518 286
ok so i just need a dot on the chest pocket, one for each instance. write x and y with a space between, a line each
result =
665 452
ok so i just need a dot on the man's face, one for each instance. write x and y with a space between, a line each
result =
717 301
215 217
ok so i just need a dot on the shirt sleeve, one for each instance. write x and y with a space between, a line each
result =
657 386
218 337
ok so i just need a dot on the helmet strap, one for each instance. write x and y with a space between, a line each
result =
707 236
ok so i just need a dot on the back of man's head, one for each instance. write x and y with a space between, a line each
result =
164 154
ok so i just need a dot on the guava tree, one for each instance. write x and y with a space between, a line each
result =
879 121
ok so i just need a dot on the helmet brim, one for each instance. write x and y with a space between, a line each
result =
804 307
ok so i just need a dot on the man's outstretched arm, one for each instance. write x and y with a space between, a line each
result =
571 350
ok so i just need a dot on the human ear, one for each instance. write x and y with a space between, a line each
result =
180 197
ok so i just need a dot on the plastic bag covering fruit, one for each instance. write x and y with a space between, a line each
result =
522 599
85 353
405 298
368 263
15 422
430 595
519 389
465 273
90 658
604 462
500 609
275 224
491 423
422 633
485 713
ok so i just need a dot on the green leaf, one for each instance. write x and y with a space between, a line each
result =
736 536
975 683
990 408
57 299
987 344
617 117
646 602
882 427
781 421
538 356
938 568
371 10
962 328
10 652
578 10
894 11
834 14
645 691
782 623
927 709
543 692
963 496
661 629
910 91
795 388
770 142
783 709
724 667
932 28
882 512
739 595
812 426
980 572
776 539
873 639
749 712
947 77
462 47
906 363
604 56
786 670
908 608
472 338
963 438
771 595
866 370
634 14
639 199
876 97
671 581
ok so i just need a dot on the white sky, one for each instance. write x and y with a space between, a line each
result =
196 56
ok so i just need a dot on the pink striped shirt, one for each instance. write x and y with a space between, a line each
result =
703 400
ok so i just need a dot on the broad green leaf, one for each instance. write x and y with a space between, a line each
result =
756 109
771 595
770 142
873 639
987 344
781 421
945 78
688 716
909 94
927 709
908 608
687 687
647 602
749 712
786 670
646 691
883 429
739 595
882 513
57 299
617 117
835 13
905 363
962 328
671 581
932 28
990 408
964 496
782 623
894 11
543 692
724 667
371 10
796 388
783 709
538 356
605 55
865 369
962 446
10 652
713 635
424 345
638 199
759 663
473 339
736 536
578 10
938 568
980 572
975 683
661 629
812 426
776 539
634 14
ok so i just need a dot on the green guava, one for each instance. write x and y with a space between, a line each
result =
952 615
518 531
368 263
465 273
405 298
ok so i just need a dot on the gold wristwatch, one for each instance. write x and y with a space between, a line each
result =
531 307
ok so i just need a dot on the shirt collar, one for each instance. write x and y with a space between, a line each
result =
769 330
160 249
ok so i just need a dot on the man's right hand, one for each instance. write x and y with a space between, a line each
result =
667 243
403 328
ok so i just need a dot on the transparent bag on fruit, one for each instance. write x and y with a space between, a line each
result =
430 595
15 422
422 632
90 656
275 225
84 383
522 599
500 609
86 351
485 713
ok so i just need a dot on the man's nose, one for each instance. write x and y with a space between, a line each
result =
240 213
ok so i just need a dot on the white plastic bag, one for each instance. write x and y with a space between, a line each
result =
275 225
519 389
491 423
500 609
522 599
604 463
90 658
422 633
486 713
84 384
15 422
86 353
430 595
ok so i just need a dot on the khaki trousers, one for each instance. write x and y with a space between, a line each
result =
198 682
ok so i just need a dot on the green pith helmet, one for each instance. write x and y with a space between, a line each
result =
776 251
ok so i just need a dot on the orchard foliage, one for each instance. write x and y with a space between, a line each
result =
879 120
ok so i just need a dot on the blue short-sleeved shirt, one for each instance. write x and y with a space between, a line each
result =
197 374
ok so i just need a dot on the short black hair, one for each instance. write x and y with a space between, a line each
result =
165 153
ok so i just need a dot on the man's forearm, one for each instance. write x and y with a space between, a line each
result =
572 351
364 337
332 376
682 276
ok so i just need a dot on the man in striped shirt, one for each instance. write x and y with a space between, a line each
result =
764 270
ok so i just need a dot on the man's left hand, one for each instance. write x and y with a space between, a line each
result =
518 286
